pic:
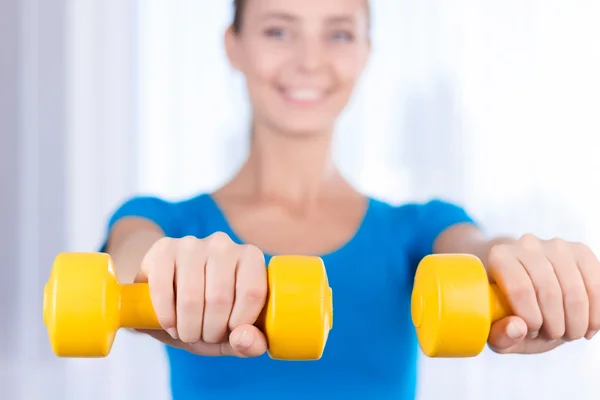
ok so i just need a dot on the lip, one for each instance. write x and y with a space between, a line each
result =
303 97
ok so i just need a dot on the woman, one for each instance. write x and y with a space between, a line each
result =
204 258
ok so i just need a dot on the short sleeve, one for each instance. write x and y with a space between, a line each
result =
432 218
154 209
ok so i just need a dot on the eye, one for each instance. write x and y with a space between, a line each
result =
276 33
342 36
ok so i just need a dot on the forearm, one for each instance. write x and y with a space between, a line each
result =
128 244
467 239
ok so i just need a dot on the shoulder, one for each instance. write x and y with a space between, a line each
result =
432 211
169 214
418 224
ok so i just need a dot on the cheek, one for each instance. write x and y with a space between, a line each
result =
261 70
347 71
261 65
346 76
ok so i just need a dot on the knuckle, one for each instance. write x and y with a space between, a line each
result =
188 243
554 332
163 243
520 293
252 252
586 255
576 331
218 298
548 292
167 321
214 338
594 324
593 291
559 245
190 304
187 336
253 295
159 248
497 253
573 334
576 299
581 248
535 323
529 240
219 241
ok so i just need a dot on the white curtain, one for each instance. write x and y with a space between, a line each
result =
490 104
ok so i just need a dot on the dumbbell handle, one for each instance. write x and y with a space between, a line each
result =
499 306
136 307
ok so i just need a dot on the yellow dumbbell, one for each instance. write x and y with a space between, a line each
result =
454 305
84 306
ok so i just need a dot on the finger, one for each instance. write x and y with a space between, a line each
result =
548 293
547 288
589 267
220 287
507 334
250 287
574 295
514 281
159 263
189 271
162 337
247 341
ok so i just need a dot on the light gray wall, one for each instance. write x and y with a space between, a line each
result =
32 187
9 127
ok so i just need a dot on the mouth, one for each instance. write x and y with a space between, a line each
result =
304 97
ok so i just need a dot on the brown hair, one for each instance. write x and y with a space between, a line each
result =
238 13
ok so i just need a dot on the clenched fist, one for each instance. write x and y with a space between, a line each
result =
207 294
553 286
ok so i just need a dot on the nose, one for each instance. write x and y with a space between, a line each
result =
312 55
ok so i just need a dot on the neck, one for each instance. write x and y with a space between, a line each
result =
288 167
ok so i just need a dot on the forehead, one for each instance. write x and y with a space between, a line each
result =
333 10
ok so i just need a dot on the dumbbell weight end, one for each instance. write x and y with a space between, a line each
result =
453 305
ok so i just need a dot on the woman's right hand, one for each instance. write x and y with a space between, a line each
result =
207 294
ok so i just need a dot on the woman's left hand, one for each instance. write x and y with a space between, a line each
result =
553 287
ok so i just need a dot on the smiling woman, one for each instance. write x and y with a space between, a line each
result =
301 60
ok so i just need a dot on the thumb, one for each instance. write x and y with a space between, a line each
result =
247 341
506 334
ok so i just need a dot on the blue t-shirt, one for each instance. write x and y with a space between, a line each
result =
372 350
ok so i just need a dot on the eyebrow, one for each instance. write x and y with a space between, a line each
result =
279 15
290 17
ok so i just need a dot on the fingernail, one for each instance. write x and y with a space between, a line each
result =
173 333
513 330
590 335
533 335
245 340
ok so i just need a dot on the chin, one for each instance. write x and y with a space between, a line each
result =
303 127
307 132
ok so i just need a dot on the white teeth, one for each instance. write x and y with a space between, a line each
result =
305 94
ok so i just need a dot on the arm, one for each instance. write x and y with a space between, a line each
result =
128 242
467 239
133 229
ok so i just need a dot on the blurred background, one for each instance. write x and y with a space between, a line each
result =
492 104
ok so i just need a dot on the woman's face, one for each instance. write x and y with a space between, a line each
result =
301 60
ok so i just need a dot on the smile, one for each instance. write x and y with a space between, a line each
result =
304 96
